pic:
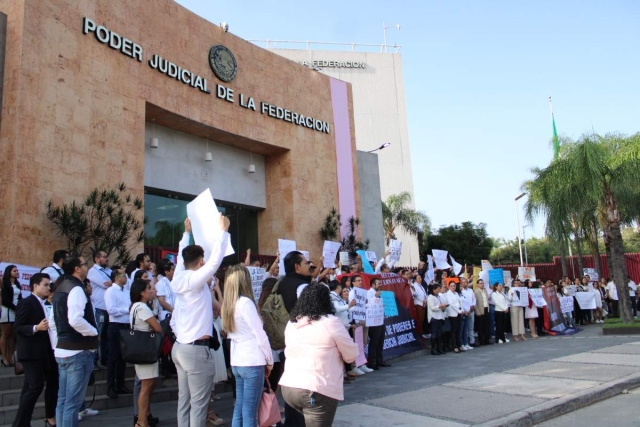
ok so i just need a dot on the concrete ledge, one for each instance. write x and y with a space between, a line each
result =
556 407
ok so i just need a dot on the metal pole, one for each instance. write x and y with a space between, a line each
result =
524 237
519 238
384 28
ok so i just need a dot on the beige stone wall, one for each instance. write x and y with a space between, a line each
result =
74 112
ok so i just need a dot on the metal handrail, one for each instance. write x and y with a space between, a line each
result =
309 43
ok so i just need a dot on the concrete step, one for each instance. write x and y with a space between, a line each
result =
9 381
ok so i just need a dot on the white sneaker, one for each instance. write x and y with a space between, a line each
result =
506 340
500 342
354 372
426 336
79 417
358 371
365 368
469 347
89 413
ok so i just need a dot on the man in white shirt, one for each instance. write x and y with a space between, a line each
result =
633 288
192 323
117 302
419 302
376 333
612 293
100 277
75 324
468 299
143 262
55 270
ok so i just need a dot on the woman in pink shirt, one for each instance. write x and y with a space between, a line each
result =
318 345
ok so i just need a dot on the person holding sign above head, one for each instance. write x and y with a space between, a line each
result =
376 333
192 322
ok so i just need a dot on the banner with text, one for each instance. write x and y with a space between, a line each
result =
257 278
537 297
586 300
24 275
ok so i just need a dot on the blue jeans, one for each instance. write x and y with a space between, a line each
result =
471 321
569 315
249 384
464 333
74 373
102 325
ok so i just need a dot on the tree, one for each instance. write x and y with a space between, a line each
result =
597 174
106 220
167 234
331 227
468 243
351 243
397 214
538 251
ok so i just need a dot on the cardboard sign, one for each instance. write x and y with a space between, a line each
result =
329 252
206 231
593 274
389 301
284 247
586 300
566 304
431 273
527 273
344 259
395 250
257 278
571 290
496 275
372 257
440 258
519 297
486 265
366 265
537 297
359 310
476 276
375 312
456 267
506 277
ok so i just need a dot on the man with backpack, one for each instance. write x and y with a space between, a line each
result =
55 270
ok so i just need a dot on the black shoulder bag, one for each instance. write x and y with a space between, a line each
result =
138 347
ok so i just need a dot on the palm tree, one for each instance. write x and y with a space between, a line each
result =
596 171
398 214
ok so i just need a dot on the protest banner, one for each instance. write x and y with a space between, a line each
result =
527 273
431 273
257 278
305 254
395 250
344 259
486 265
358 337
359 310
284 247
389 301
496 275
456 267
571 290
206 231
566 304
586 300
440 258
592 273
372 257
537 297
24 275
400 330
520 297
506 278
555 321
329 252
366 265
375 312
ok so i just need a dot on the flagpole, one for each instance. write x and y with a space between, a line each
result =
550 106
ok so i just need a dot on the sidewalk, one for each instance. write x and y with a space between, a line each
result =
516 384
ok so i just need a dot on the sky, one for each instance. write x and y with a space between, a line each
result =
477 77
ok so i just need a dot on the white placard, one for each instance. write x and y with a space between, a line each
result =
571 290
359 310
205 228
440 258
372 257
486 265
329 251
344 259
375 313
506 275
305 254
284 247
431 274
593 274
527 273
24 275
257 277
566 304
456 267
520 297
586 300
395 250
537 297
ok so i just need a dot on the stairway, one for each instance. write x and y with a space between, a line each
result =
11 386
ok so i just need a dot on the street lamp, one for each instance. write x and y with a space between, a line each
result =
518 221
524 237
385 28
382 147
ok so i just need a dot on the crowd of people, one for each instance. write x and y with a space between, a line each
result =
297 337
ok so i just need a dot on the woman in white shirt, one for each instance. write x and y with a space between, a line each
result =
453 313
502 309
436 319
142 319
251 356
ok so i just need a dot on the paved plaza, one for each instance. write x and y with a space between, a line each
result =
488 386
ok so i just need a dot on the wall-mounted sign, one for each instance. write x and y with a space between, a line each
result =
333 64
223 64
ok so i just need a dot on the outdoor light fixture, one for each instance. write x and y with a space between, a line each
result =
382 147
154 143
518 222
252 167
208 156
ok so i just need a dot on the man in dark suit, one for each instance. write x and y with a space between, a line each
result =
35 353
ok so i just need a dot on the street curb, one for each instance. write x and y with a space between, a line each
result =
556 407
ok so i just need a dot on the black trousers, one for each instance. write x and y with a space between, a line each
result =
614 305
501 318
116 366
455 332
376 344
484 334
36 373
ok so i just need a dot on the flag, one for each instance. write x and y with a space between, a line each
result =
556 142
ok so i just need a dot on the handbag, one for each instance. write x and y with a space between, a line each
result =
139 347
269 412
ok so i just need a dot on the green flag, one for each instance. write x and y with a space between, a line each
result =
556 142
